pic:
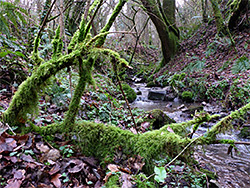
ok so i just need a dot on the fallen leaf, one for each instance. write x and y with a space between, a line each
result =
126 179
145 125
19 174
133 130
13 183
78 165
27 158
13 159
56 181
41 147
53 155
55 169
113 168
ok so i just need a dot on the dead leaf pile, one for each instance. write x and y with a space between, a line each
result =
27 161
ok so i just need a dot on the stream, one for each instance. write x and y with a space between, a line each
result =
232 171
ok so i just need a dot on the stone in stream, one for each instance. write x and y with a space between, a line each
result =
158 118
170 97
156 95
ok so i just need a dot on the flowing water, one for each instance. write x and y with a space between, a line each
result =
233 171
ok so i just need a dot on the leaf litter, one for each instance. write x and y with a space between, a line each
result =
28 161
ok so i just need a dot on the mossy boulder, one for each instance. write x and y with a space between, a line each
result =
151 84
245 132
158 118
187 96
129 92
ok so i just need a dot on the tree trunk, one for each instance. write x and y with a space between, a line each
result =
204 11
238 8
222 29
168 34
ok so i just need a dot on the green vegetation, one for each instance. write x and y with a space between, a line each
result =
64 80
245 132
187 96
240 65
129 92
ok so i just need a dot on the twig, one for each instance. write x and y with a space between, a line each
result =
10 128
245 143
176 156
45 19
119 82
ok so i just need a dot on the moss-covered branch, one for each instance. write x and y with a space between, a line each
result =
224 124
111 20
25 99
85 69
104 141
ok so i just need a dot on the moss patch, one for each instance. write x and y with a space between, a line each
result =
187 96
129 92
158 118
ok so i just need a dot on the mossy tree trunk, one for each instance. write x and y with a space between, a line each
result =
222 29
165 26
238 8
104 141
25 100
204 10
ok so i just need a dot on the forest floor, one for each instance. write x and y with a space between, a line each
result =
22 156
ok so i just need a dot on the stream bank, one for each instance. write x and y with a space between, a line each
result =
233 171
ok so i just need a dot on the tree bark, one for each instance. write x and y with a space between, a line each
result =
204 11
238 8
168 34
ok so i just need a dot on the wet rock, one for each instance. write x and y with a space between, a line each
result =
156 94
181 107
169 105
185 110
168 89
192 110
158 118
170 97
138 92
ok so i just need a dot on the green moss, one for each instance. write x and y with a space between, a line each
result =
57 44
25 99
111 20
158 118
113 181
129 92
35 54
82 30
85 69
209 174
151 84
187 96
225 141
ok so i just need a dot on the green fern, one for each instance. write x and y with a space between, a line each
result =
240 65
195 66
11 16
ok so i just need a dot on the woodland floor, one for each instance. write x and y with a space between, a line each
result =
205 45
30 161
